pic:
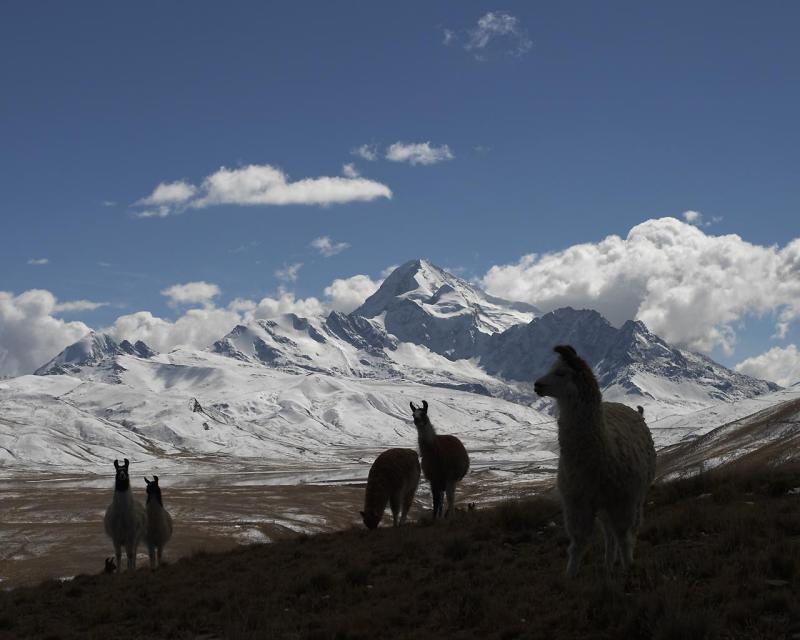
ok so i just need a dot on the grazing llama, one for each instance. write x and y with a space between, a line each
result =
393 478
606 464
159 523
444 460
125 518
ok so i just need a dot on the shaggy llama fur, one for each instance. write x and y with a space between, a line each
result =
607 461
444 460
393 479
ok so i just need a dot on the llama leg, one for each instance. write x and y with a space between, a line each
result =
451 498
118 556
151 551
437 501
624 523
579 522
130 552
160 551
407 502
610 540
394 503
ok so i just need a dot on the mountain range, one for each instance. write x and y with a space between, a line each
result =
314 387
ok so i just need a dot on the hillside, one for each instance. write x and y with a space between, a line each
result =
718 558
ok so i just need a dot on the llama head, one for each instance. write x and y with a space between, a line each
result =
153 490
371 518
122 481
569 377
420 414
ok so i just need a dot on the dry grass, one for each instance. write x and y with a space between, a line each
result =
718 557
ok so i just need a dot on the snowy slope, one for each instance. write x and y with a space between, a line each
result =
245 410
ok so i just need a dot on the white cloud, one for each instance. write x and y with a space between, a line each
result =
258 185
691 288
328 248
781 365
697 219
78 305
196 328
367 152
29 334
496 30
38 261
347 294
191 293
418 153
170 193
286 302
289 272
109 203
448 36
349 170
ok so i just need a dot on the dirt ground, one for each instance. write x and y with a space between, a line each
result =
52 526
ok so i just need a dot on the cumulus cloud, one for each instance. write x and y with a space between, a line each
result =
418 153
328 248
191 293
289 272
496 32
78 305
258 185
780 365
195 328
29 334
696 218
38 261
349 170
367 152
690 287
170 193
347 294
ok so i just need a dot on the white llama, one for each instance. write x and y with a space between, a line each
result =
607 461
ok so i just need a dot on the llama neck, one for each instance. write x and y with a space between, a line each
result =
580 428
376 498
426 436
123 499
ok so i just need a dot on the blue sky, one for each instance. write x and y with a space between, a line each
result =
573 121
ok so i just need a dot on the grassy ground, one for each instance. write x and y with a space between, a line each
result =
718 557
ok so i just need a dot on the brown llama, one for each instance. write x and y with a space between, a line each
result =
393 479
606 464
444 460
159 523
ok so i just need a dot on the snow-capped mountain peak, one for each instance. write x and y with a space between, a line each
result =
90 351
424 304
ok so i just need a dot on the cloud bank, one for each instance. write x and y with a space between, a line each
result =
191 293
258 185
689 287
781 365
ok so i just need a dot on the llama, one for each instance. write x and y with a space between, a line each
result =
444 460
393 478
606 464
125 518
159 523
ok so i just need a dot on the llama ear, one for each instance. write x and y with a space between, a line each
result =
425 406
413 408
116 464
567 353
147 482
155 479
127 463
